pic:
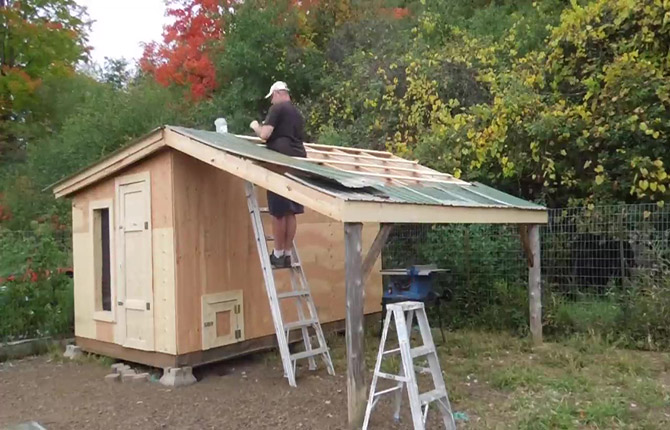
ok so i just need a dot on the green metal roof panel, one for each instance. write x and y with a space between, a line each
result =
235 145
355 187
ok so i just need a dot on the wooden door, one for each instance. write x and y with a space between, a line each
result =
135 301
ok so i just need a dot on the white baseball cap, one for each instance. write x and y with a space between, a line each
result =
277 86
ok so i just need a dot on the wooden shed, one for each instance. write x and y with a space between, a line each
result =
166 270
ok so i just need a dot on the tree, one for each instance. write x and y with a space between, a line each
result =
183 58
38 39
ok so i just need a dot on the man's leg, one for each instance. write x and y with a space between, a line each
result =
279 232
291 227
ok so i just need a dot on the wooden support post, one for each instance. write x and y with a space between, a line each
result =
375 250
534 285
355 337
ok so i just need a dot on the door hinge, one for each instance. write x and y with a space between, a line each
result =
120 303
209 323
148 306
237 309
238 333
146 225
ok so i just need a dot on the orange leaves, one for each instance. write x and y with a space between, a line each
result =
182 59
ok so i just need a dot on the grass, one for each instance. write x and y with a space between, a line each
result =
584 382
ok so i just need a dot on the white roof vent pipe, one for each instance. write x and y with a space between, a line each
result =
221 125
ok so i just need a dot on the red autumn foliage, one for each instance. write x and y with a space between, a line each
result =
34 276
182 57
396 12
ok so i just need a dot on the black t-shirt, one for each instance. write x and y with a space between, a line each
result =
289 129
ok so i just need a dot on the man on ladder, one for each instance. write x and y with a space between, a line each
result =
284 132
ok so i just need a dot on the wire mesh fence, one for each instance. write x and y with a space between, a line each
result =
588 254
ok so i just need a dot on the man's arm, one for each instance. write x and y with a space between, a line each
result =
263 131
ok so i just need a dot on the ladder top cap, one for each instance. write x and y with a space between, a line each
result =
405 306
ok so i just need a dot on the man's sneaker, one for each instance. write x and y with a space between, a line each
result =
287 260
277 262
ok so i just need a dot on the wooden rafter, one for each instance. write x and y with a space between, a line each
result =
372 163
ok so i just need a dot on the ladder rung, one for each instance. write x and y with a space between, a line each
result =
389 390
429 396
391 351
293 266
299 324
422 350
292 294
306 354
392 377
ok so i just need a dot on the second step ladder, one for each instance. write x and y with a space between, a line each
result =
403 313
299 293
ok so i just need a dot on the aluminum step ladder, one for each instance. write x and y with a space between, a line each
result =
300 293
419 403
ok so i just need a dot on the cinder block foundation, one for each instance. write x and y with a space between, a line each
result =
178 376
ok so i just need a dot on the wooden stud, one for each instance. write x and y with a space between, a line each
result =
354 164
355 337
375 249
534 286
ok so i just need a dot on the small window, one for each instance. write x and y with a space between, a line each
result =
102 259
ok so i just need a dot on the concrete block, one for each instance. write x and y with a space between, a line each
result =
178 376
113 377
72 352
128 375
141 377
118 367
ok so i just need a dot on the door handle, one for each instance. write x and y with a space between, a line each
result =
120 303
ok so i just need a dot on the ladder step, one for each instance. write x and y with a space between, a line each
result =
264 210
293 294
299 324
389 390
293 266
269 238
429 396
306 354
422 350
391 377
391 351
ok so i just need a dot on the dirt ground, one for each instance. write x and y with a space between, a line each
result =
495 381
242 394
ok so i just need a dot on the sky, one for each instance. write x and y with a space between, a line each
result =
121 25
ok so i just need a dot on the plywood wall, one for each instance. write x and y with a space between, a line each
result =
160 170
216 251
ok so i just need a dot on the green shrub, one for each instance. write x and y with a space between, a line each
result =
36 294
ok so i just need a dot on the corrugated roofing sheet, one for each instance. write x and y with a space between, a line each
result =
235 145
355 187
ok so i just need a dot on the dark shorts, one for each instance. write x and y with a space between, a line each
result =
281 206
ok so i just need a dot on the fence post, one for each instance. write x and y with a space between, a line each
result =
534 285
